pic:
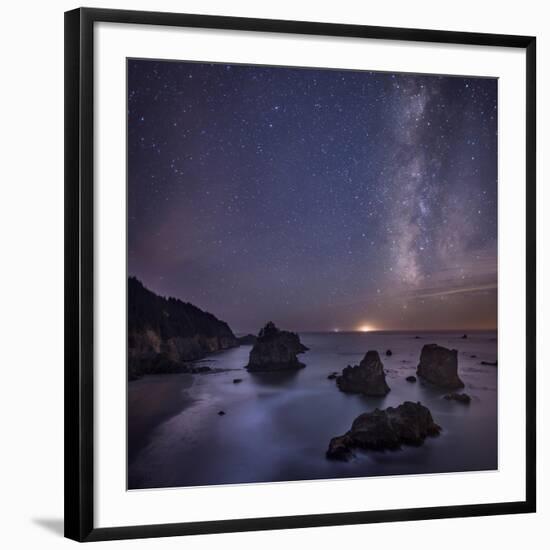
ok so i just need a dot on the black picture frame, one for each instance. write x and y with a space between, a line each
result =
79 269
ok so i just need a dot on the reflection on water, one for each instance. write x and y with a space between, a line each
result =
277 425
274 379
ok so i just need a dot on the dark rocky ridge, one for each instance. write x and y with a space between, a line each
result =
439 366
247 340
165 333
367 378
275 350
409 423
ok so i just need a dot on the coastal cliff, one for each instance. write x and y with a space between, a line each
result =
165 333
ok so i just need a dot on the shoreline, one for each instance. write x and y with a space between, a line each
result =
153 399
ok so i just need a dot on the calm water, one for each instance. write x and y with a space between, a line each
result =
278 425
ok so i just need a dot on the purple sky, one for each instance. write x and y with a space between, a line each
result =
319 199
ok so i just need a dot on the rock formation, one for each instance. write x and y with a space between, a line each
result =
367 378
460 397
409 424
439 366
247 340
164 334
275 350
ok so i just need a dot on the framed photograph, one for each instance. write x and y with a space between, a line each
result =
300 274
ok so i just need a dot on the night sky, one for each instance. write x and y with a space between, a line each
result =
318 199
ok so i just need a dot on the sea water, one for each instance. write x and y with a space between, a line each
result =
277 426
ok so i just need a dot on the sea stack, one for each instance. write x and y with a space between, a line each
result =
409 423
439 366
367 378
275 350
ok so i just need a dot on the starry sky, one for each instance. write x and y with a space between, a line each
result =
319 199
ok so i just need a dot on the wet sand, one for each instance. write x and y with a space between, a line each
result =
153 400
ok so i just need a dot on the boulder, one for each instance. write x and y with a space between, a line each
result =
389 352
332 376
237 380
460 397
439 366
408 424
275 350
411 379
367 378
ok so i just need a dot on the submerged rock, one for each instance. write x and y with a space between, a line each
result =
439 366
367 378
490 363
411 379
460 397
237 380
389 352
275 350
409 423
332 376
221 413
200 370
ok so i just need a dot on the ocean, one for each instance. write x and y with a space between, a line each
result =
277 426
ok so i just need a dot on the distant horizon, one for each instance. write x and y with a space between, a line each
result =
241 332
420 331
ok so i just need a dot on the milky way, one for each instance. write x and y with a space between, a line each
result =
319 199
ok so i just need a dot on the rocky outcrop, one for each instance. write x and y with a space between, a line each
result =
275 350
439 366
367 378
164 334
247 340
408 424
460 397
